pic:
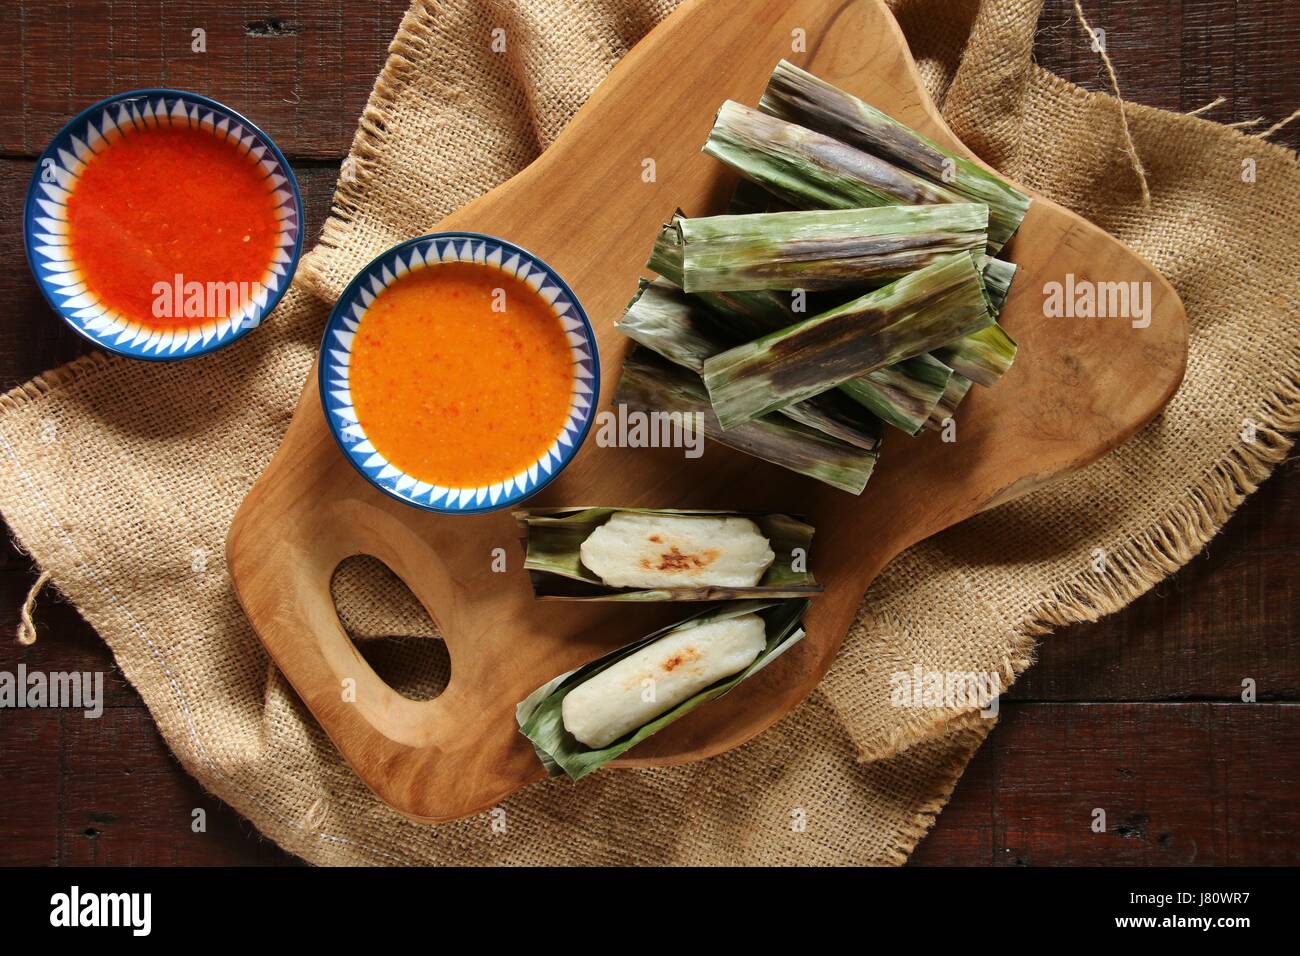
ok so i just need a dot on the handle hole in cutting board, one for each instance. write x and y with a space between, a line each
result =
372 603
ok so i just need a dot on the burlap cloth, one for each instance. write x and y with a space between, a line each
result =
121 477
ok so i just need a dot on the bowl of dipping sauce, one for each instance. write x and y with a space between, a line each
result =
161 224
459 373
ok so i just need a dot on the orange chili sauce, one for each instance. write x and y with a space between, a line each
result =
452 392
167 201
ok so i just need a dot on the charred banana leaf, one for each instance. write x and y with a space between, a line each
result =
810 170
683 330
919 313
749 197
902 395
825 248
983 356
997 275
652 384
957 388
799 97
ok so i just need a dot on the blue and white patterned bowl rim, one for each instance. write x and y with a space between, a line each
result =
336 353
45 222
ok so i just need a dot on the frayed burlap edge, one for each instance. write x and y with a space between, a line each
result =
969 733
1182 532
1179 533
409 44
190 749
52 379
1020 656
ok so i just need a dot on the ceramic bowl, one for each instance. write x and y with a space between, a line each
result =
45 222
428 252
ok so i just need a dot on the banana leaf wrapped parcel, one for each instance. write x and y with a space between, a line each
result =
903 395
799 97
824 248
581 720
683 330
809 170
648 554
652 385
998 274
918 313
983 356
957 388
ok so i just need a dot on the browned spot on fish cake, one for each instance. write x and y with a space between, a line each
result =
684 656
655 538
674 560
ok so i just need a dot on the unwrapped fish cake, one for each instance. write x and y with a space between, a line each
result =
677 551
655 679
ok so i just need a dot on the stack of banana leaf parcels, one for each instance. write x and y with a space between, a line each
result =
853 284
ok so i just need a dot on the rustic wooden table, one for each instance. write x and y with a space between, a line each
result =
1140 714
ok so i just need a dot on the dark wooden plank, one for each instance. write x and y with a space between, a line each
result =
1182 54
123 799
99 790
126 802
31 768
964 833
1180 784
32 338
301 71
1230 614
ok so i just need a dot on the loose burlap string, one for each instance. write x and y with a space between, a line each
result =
128 504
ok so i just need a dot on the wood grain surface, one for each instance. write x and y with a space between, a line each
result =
1146 703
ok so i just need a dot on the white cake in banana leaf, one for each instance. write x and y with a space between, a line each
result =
655 679
677 551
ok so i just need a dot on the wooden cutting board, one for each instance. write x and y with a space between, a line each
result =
1078 389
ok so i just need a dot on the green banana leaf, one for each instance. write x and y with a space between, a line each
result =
799 97
997 275
541 721
683 330
918 313
902 395
811 170
983 356
652 384
553 536
825 248
957 388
